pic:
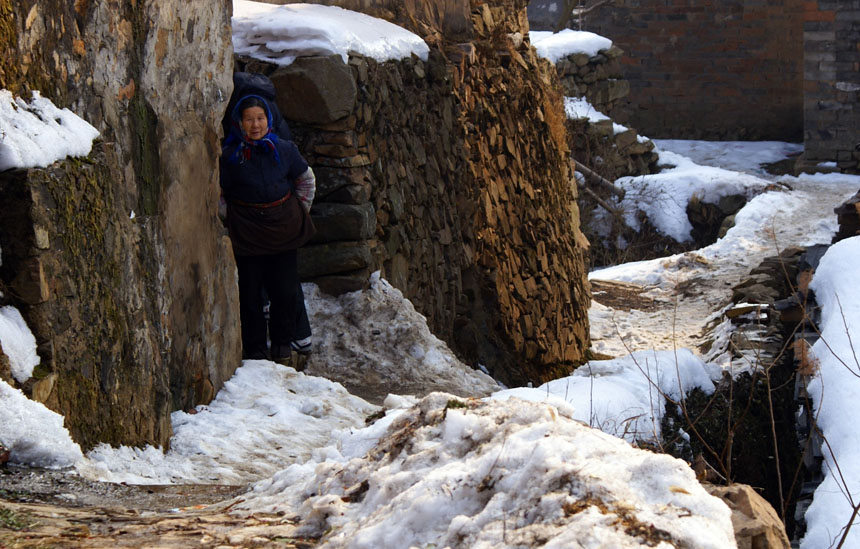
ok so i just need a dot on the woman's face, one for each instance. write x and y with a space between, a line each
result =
255 123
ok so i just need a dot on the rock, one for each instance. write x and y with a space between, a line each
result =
339 222
756 524
5 367
333 258
848 216
315 90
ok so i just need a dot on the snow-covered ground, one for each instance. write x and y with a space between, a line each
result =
519 466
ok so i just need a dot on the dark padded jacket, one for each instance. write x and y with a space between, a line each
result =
264 177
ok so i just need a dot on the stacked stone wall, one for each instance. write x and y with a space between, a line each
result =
706 69
452 177
129 282
831 73
450 17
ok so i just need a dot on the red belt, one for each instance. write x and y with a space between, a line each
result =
277 202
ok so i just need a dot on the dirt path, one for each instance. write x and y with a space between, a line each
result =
58 509
41 526
672 311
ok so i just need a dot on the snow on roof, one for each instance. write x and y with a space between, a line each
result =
580 108
280 34
37 134
556 45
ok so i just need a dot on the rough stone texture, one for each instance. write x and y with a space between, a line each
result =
136 317
756 524
325 85
474 215
599 80
705 69
450 16
848 216
831 83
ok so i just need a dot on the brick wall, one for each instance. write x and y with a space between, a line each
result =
831 73
715 69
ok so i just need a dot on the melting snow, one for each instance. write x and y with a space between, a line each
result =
280 34
37 134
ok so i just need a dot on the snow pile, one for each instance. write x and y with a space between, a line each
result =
834 394
17 343
265 418
451 473
580 108
376 340
740 156
37 134
34 435
664 196
280 34
626 397
554 46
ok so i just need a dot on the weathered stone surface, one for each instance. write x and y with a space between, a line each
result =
756 524
315 90
848 216
335 258
475 219
141 309
336 222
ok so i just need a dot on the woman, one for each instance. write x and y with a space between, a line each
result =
269 189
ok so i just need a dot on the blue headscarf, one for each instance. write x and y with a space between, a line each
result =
268 142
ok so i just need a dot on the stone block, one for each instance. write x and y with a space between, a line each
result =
315 90
333 258
336 222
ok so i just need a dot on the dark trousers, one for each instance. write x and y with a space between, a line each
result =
288 319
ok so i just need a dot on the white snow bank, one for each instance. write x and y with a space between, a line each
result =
625 397
17 343
554 46
834 395
739 156
265 418
34 435
280 34
664 196
451 473
375 339
37 134
579 107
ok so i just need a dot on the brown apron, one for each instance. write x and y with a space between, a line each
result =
266 229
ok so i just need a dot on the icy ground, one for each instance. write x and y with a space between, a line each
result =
680 294
518 468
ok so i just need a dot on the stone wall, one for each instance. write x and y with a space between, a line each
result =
452 177
133 317
599 144
706 69
450 17
831 74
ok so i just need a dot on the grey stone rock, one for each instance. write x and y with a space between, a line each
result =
333 258
315 90
336 222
